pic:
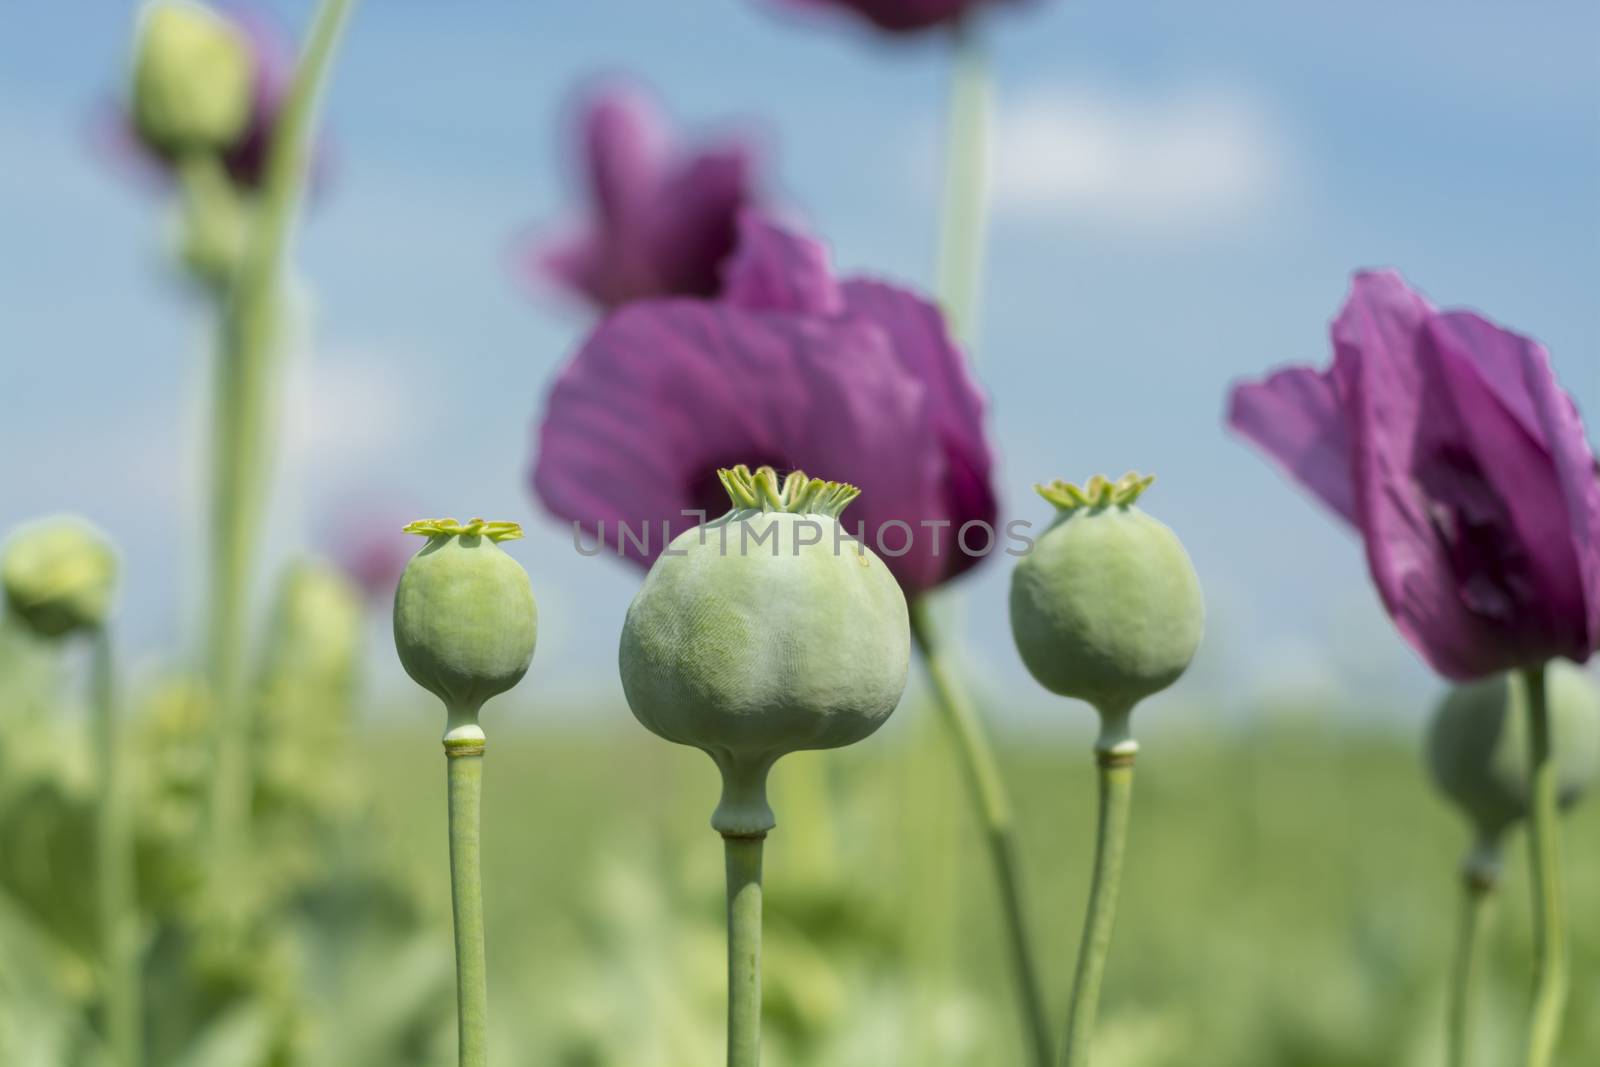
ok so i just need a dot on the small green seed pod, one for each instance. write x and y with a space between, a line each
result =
1477 745
193 76
60 575
317 627
464 617
1107 607
763 632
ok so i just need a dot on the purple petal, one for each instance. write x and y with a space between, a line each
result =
664 392
775 269
900 16
1295 418
624 152
922 343
695 226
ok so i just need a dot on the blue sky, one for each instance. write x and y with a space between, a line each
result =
1181 192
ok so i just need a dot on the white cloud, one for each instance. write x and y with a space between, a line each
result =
1187 161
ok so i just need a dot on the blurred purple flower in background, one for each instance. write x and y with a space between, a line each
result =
855 380
1448 443
903 16
660 220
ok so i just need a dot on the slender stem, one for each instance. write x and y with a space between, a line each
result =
244 379
465 760
1475 890
964 214
1544 851
1111 837
118 914
744 949
993 807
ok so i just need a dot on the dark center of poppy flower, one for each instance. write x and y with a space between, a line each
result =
1487 558
705 490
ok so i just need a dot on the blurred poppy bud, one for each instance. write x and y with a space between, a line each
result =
192 79
317 627
59 576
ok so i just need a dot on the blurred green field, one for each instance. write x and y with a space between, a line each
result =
1289 900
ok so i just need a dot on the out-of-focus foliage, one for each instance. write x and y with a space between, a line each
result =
1289 903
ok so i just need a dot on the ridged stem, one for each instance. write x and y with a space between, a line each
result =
744 949
1475 891
963 215
1544 855
240 421
1111 837
464 759
115 893
987 793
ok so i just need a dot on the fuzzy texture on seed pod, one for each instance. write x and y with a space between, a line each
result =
1107 607
1477 749
465 622
60 575
763 632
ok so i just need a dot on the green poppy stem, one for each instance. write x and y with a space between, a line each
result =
115 894
245 375
993 809
744 949
1111 838
464 758
964 213
1544 854
1476 887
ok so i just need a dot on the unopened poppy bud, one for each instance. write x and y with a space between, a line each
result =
1107 607
465 622
1477 748
60 575
317 626
192 79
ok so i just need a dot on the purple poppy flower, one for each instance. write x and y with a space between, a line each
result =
903 16
661 220
855 380
1448 443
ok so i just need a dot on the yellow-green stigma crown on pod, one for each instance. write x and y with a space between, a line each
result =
465 622
193 76
1477 745
60 575
1107 607
749 641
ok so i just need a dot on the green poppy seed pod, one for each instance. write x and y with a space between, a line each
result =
193 76
1477 745
1106 607
464 617
60 575
764 632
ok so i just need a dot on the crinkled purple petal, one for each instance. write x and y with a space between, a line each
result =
922 343
774 269
696 221
1295 418
664 392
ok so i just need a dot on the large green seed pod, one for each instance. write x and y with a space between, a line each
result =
1477 745
193 76
1107 607
60 575
763 632
464 617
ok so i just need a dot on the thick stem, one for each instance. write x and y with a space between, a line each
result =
963 216
990 803
1544 853
464 757
118 914
744 949
1111 836
1476 886
244 378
